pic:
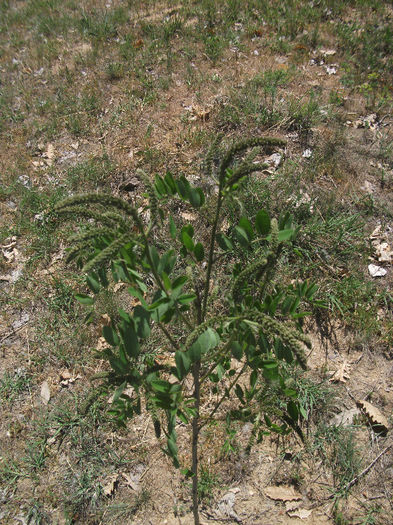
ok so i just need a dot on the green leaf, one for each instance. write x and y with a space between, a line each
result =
311 291
110 335
159 302
205 342
199 252
246 225
269 364
186 240
239 392
194 197
286 305
201 196
293 410
285 235
118 392
262 222
220 370
166 281
183 187
224 242
186 298
142 321
172 227
170 182
84 299
183 418
172 447
183 364
236 350
160 186
159 385
187 473
241 236
93 283
130 340
253 378
179 282
154 256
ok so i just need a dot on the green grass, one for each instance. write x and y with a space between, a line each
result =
13 386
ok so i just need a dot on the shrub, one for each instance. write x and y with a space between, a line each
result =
230 343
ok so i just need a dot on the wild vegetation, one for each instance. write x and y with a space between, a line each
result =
225 169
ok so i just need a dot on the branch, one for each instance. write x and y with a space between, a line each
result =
367 469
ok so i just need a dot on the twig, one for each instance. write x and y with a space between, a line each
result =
12 332
367 469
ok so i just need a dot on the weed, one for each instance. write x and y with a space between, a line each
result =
208 480
114 71
36 514
337 447
13 385
258 338
84 493
126 511
304 114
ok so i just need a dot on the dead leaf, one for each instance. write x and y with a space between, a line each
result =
65 374
9 251
368 187
138 43
102 344
383 252
345 418
376 234
328 52
376 271
116 288
342 374
45 393
292 505
105 319
199 113
188 216
130 482
282 493
50 151
302 514
377 420
109 485
225 506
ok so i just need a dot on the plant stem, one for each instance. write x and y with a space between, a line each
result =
225 396
195 434
211 253
168 336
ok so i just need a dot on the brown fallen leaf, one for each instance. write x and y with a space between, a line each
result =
302 514
109 485
65 374
282 493
130 482
292 505
139 43
342 374
45 393
101 344
383 252
187 216
377 420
